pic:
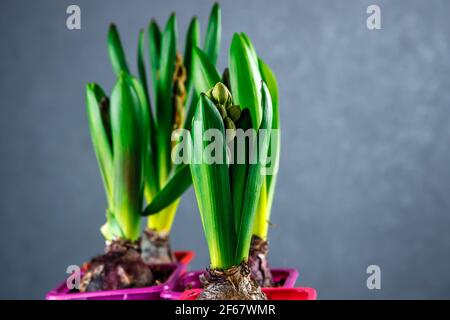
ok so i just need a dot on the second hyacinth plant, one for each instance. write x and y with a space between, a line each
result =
170 94
132 142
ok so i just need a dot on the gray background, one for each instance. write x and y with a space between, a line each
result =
365 160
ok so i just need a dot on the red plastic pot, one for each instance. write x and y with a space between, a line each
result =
184 257
285 278
271 293
61 292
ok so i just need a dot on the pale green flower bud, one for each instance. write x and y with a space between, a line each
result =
234 112
221 94
222 110
230 128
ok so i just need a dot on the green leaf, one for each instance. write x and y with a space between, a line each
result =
270 80
212 188
205 76
175 187
116 53
254 180
148 166
163 220
191 110
166 70
213 34
99 136
111 229
239 170
205 73
249 46
154 42
245 77
151 181
262 214
106 232
128 159
192 41
141 68
164 107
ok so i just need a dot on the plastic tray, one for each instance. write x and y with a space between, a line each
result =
61 292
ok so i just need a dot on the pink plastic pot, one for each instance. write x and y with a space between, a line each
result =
271 293
285 278
148 293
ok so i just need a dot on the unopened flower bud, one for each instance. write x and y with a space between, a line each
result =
234 112
220 94
230 128
222 111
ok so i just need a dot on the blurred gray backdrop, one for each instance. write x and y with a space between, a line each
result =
365 166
